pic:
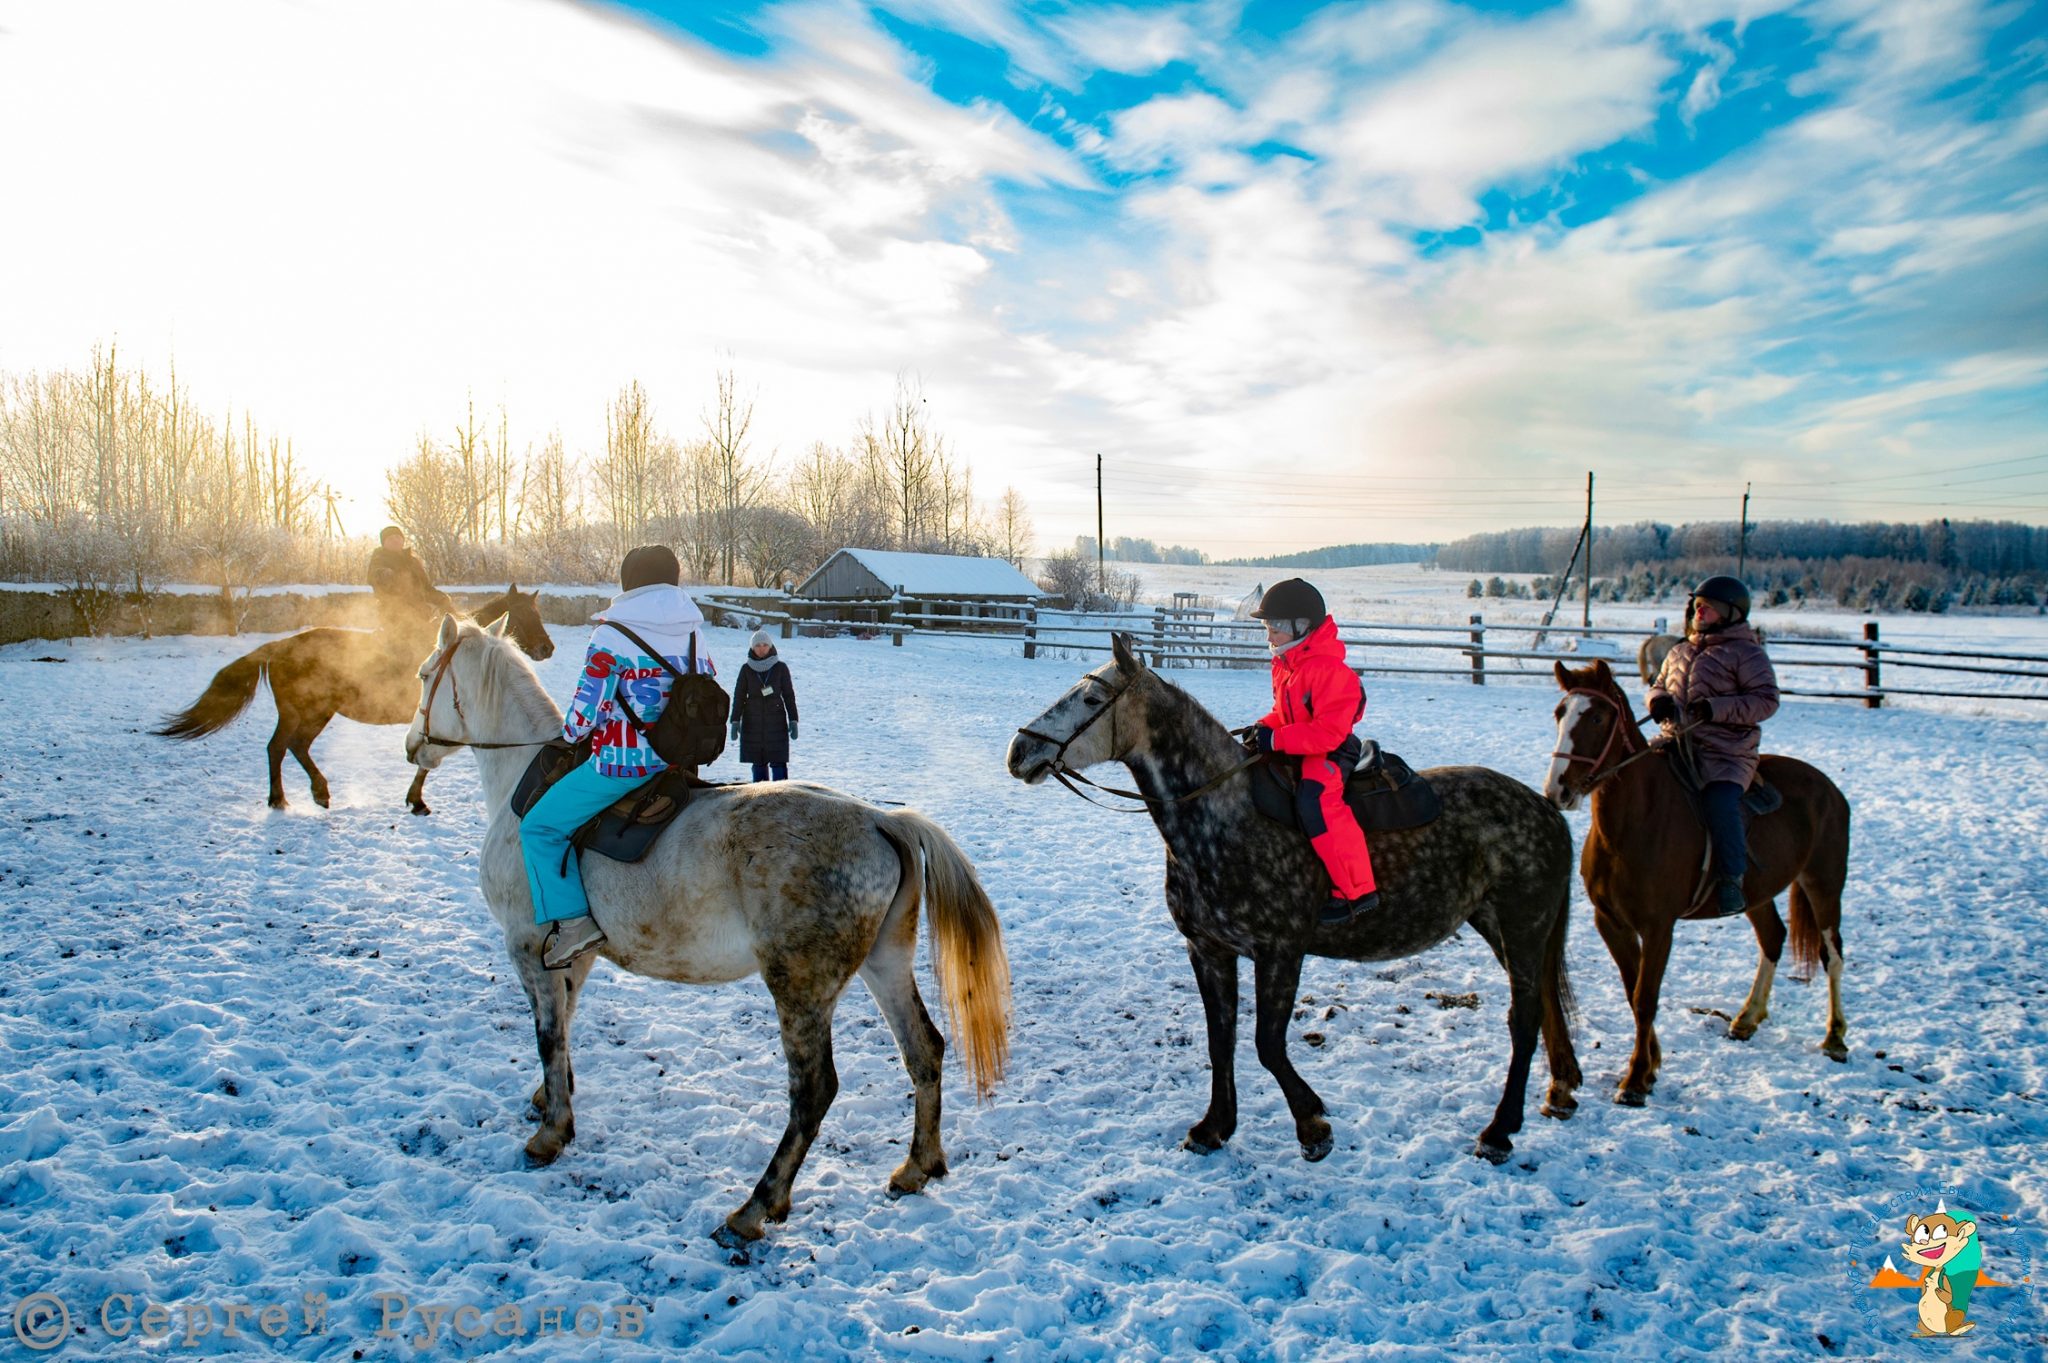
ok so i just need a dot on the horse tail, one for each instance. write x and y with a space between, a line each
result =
967 946
1560 1005
1805 934
225 697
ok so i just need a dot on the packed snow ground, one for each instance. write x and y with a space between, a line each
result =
252 1055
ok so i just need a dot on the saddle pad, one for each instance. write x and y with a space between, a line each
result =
1384 794
627 829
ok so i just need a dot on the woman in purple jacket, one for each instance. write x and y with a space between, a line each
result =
1720 679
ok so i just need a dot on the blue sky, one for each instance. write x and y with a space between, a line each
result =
1302 273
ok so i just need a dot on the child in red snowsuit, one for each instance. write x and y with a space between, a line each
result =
1316 701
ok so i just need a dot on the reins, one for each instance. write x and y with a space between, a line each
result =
1066 776
442 669
1597 777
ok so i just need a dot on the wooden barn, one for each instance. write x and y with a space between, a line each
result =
881 585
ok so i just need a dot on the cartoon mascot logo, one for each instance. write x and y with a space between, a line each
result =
1947 1250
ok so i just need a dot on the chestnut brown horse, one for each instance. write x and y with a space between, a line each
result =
316 674
1642 863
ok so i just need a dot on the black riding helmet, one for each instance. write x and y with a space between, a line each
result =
1727 592
1291 600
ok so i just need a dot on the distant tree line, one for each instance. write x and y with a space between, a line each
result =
1341 556
113 482
1876 566
1125 549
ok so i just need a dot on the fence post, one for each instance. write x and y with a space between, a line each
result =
1478 654
1031 631
788 627
1873 675
1158 640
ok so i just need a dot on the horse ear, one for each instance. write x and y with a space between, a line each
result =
450 630
496 629
1602 675
1126 661
512 590
1564 683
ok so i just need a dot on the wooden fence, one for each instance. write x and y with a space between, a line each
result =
1864 669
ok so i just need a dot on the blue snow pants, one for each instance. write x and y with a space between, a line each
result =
552 870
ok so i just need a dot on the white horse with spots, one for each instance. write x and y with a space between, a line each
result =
803 884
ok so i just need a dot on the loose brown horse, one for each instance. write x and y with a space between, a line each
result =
1643 857
316 674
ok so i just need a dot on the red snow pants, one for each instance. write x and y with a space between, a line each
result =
1332 830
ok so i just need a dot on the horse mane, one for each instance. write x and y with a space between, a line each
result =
508 683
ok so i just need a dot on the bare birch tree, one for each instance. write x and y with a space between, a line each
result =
739 480
1013 528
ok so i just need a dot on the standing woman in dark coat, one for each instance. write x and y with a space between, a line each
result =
764 710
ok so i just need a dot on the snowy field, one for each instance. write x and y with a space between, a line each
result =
255 1055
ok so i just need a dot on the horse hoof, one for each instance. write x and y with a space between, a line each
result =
731 1239
418 809
1835 1051
1561 1111
544 1149
1316 1152
279 802
322 801
907 1179
1631 1097
1200 1144
1491 1153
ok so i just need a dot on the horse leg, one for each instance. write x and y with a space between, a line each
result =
280 743
1525 1020
1822 903
572 985
1643 1064
813 1084
1560 1100
415 794
1275 984
301 745
1216 975
1770 946
552 1010
891 978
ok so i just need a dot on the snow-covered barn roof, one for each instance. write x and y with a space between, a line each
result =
927 575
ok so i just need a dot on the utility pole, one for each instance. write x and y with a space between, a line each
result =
1101 573
1742 535
1586 604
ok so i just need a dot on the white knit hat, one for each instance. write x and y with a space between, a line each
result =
760 637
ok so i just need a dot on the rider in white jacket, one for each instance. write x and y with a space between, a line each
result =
656 608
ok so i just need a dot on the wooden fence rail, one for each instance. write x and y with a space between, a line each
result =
1184 638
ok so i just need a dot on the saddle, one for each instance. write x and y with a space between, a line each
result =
1760 799
1383 792
627 828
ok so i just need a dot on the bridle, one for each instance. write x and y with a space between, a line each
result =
1597 777
443 669
1067 776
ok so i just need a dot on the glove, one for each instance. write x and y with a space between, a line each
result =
1663 709
735 730
792 730
1700 711
1262 738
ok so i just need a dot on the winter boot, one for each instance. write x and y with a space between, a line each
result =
568 940
1338 911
